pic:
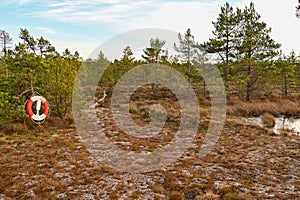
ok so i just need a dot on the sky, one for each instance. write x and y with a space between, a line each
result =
83 25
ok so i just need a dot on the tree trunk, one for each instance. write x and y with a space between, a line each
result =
204 89
285 86
189 75
189 69
249 85
227 69
248 93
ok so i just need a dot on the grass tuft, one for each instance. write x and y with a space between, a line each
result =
268 120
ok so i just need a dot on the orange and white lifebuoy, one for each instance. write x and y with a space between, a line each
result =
29 110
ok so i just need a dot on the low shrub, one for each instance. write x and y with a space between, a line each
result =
268 120
210 195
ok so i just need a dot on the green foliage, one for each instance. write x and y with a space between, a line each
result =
285 70
224 41
61 75
152 54
242 41
46 72
92 68
189 51
254 41
254 45
247 58
186 47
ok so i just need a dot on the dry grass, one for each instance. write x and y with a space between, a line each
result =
234 196
258 107
50 162
268 120
210 195
175 195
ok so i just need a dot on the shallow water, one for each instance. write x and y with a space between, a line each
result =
291 124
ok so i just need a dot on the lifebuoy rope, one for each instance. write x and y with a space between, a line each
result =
36 117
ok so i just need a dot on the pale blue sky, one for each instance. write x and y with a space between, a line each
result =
84 24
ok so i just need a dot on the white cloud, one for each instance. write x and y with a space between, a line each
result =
198 15
179 16
47 30
83 11
85 49
20 2
82 2
26 1
124 15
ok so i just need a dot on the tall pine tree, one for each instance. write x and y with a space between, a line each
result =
224 40
187 48
152 54
254 45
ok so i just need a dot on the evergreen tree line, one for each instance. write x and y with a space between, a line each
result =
249 60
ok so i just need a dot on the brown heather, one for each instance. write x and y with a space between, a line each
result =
248 162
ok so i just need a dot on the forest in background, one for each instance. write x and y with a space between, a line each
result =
249 161
250 61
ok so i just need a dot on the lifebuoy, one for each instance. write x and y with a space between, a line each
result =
29 110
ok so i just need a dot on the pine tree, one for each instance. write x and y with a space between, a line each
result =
152 54
28 40
5 41
224 40
254 45
127 55
187 48
45 46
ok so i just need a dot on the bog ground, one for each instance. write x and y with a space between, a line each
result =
249 162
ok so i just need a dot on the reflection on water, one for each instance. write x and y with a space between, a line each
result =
291 124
